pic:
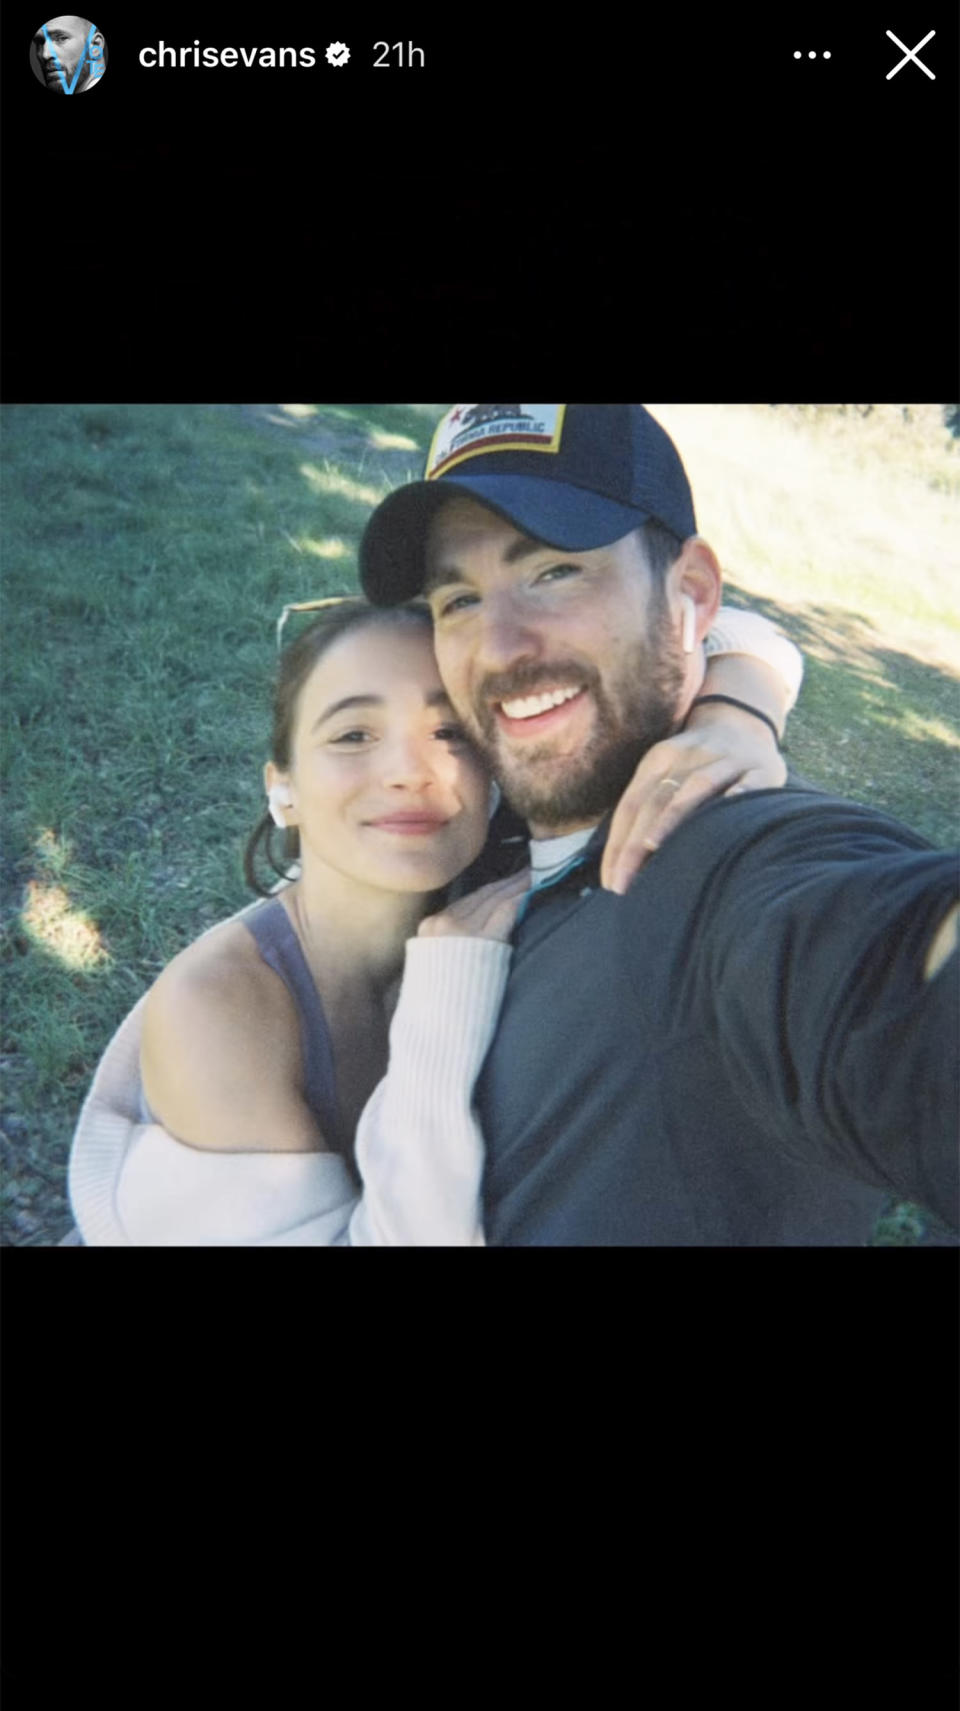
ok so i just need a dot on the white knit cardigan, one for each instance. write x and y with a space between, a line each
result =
419 1148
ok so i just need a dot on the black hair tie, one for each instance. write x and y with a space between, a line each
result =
744 707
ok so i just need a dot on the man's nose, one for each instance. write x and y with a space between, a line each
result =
509 633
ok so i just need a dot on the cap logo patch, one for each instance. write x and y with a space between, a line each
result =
469 429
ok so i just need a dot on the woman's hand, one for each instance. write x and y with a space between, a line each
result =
722 751
489 913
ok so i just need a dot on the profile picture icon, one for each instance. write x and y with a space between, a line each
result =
68 55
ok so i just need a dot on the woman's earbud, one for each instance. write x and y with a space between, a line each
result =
495 799
278 796
688 633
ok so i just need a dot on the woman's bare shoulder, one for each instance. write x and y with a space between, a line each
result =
210 963
220 1053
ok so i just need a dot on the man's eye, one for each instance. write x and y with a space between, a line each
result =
557 572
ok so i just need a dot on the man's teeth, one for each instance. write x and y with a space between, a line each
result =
531 705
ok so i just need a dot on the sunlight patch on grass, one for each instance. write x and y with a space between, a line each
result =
384 442
335 481
53 923
800 519
333 547
913 724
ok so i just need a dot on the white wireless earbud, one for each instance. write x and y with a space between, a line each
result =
688 633
495 799
278 796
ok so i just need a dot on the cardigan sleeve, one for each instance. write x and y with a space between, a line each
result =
737 632
132 1184
419 1146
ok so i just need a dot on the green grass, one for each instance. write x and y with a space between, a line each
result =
147 553
844 529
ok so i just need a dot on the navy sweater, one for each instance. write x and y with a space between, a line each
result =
741 1051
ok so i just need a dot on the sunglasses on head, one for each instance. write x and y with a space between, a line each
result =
331 600
310 606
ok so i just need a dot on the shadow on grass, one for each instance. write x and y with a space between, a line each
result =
873 722
385 442
65 1016
269 516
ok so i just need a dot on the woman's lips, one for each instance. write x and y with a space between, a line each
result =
409 825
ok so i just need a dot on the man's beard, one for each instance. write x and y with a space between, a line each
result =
634 709
64 75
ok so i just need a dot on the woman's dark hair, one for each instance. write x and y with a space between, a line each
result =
296 664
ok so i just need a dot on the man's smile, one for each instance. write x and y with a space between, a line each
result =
533 715
528 706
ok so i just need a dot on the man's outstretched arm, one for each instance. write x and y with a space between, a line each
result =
835 976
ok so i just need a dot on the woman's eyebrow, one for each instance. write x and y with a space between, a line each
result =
432 698
348 701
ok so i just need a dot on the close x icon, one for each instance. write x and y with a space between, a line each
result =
910 55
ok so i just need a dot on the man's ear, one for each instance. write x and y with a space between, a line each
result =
695 577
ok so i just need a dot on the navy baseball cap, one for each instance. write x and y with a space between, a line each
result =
575 476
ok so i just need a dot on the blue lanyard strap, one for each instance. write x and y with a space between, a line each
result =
579 860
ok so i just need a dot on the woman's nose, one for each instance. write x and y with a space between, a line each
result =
408 764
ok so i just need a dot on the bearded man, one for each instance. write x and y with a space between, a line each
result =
756 1042
70 52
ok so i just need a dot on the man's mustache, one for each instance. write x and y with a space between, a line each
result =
534 679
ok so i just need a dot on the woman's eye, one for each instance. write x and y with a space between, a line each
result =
350 738
456 603
451 734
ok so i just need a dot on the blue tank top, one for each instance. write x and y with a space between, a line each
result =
280 949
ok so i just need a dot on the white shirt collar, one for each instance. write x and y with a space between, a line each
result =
549 856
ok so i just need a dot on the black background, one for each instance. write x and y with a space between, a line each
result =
672 206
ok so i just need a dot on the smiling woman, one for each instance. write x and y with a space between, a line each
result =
225 1110
359 762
